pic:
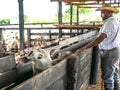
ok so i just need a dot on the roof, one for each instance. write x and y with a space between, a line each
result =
90 3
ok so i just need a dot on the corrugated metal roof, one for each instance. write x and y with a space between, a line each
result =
90 3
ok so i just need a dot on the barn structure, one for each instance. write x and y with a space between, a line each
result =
69 69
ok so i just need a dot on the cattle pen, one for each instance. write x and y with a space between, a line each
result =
69 71
43 56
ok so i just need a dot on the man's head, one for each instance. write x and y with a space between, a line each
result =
105 14
107 11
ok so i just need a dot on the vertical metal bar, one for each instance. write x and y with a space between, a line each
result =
60 18
110 2
71 12
118 3
77 18
77 14
21 24
29 37
50 37
0 34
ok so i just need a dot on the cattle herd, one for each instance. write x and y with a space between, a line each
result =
40 58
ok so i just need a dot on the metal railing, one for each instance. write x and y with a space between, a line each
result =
47 30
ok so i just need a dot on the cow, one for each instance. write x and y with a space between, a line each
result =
41 59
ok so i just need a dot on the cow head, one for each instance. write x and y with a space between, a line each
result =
41 59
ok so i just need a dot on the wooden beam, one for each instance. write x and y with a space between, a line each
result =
90 2
79 26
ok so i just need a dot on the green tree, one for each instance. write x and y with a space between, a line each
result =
26 19
4 21
85 10
66 14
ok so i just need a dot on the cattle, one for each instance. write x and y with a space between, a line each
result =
41 59
11 41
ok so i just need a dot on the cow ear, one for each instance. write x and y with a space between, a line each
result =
51 51
30 53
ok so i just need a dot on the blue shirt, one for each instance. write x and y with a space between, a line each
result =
111 27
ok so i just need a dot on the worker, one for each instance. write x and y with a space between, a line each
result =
108 41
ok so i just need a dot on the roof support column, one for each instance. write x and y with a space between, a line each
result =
77 18
77 15
1 35
60 18
21 24
71 15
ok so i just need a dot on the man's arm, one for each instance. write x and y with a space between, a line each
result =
95 42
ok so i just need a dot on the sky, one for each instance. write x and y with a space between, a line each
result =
39 9
42 9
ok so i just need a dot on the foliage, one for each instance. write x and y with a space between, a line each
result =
85 14
4 21
85 11
38 21
28 19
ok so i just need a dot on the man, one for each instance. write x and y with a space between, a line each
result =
109 45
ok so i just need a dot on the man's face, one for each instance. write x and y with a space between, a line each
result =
105 14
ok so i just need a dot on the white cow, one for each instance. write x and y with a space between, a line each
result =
41 59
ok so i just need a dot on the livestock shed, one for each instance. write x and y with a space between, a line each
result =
69 70
62 68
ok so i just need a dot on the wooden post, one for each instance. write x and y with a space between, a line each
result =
78 70
94 65
21 24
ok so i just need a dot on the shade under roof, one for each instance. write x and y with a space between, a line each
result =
90 3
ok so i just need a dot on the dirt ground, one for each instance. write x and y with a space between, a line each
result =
99 84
